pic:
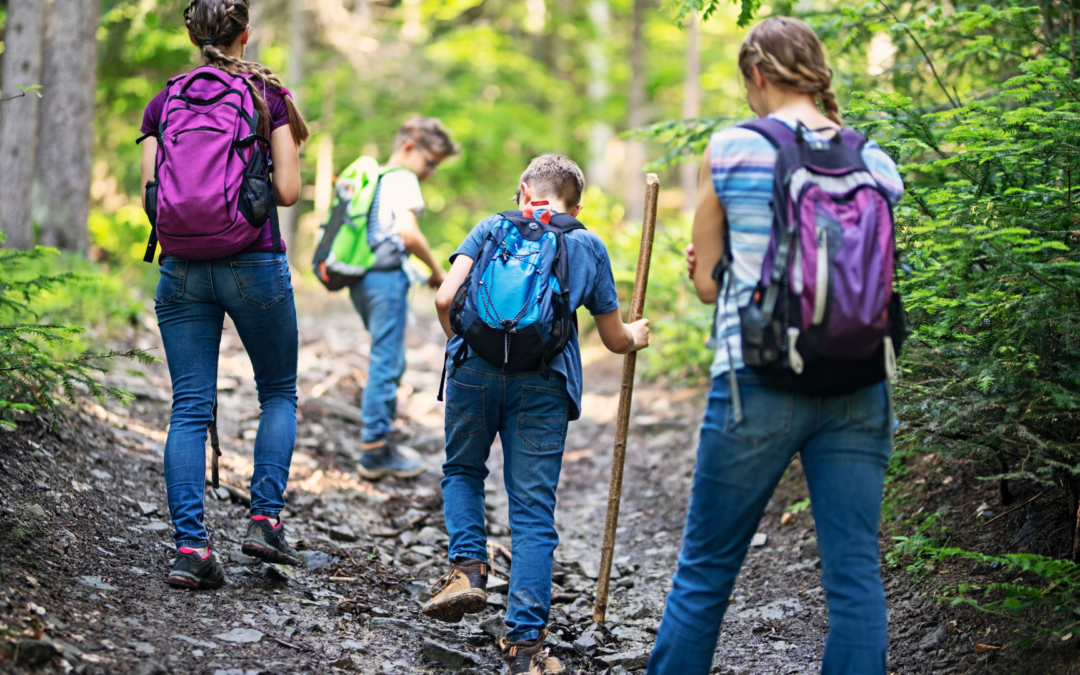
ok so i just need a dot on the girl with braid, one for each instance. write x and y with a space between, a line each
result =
751 433
253 287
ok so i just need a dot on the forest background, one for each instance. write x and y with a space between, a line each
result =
978 102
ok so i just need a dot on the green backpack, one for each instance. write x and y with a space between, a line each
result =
344 254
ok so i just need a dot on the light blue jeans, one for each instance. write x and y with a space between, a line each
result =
844 443
382 299
529 414
193 297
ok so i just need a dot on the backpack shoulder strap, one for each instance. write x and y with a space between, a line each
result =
852 139
775 132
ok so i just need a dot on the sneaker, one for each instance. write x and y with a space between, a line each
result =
390 460
266 541
194 571
459 592
530 657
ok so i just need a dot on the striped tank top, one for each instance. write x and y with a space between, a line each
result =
742 164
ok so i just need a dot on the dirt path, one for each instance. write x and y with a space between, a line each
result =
85 542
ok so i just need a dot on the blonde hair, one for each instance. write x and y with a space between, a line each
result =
217 24
787 52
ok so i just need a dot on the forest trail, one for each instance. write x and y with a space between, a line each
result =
83 564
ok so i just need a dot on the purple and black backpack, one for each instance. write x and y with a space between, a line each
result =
211 194
824 319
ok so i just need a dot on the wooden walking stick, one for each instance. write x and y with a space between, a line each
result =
618 457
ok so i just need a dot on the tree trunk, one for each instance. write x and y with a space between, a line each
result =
65 148
633 180
598 169
324 163
289 217
19 118
691 109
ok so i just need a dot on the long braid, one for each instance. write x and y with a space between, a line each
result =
218 24
788 52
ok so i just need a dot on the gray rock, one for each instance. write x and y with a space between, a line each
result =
241 636
238 557
195 643
421 593
31 653
149 667
155 526
586 644
343 533
451 658
497 585
495 627
774 611
628 660
636 611
276 573
429 536
430 631
759 539
222 494
100 475
96 582
353 646
345 663
143 647
617 670
147 508
379 612
933 639
496 600
314 560
34 511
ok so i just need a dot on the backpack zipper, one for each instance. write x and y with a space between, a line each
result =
821 277
177 134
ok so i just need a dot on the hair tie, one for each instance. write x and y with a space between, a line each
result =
207 42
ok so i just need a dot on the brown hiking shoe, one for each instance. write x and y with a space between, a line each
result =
459 592
529 657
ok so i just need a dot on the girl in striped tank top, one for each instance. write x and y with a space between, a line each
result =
843 441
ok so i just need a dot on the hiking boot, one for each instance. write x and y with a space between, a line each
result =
530 657
266 541
194 571
390 460
459 592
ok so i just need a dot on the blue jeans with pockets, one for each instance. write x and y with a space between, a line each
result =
844 443
382 299
530 416
193 297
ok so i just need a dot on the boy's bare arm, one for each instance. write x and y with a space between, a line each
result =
417 244
445 297
619 337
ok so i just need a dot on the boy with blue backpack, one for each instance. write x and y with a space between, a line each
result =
508 307
371 232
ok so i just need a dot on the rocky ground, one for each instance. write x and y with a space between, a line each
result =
85 540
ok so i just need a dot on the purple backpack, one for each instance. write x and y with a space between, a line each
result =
824 319
211 192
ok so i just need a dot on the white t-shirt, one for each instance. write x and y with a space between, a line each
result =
399 191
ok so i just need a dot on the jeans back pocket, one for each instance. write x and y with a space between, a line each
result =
543 416
261 282
464 408
171 282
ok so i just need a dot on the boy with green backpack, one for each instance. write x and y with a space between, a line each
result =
371 231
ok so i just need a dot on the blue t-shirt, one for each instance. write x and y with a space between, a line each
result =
591 284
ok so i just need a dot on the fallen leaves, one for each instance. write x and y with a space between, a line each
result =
983 649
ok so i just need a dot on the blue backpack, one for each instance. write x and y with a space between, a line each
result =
514 307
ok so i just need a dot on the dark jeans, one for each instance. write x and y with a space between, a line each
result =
529 414
382 299
844 443
193 297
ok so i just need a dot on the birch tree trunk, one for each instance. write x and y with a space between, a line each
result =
66 133
19 118
691 109
638 116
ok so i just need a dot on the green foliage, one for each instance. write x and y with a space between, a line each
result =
799 506
31 372
1034 582
920 545
707 8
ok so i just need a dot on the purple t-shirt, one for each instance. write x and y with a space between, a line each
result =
279 117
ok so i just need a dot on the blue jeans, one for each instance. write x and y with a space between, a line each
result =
193 297
844 442
529 414
382 298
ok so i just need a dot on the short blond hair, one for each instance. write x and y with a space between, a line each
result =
555 176
428 132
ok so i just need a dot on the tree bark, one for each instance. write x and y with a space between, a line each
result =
66 134
598 169
18 119
637 117
290 217
324 162
691 109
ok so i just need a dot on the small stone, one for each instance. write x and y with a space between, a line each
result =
759 539
586 644
277 573
429 536
147 508
155 526
314 560
239 558
241 636
144 647
629 660
787 518
222 494
353 646
933 639
495 627
636 611
343 533
379 612
96 582
34 511
496 600
344 663
101 475
497 585
451 658
984 511
195 643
